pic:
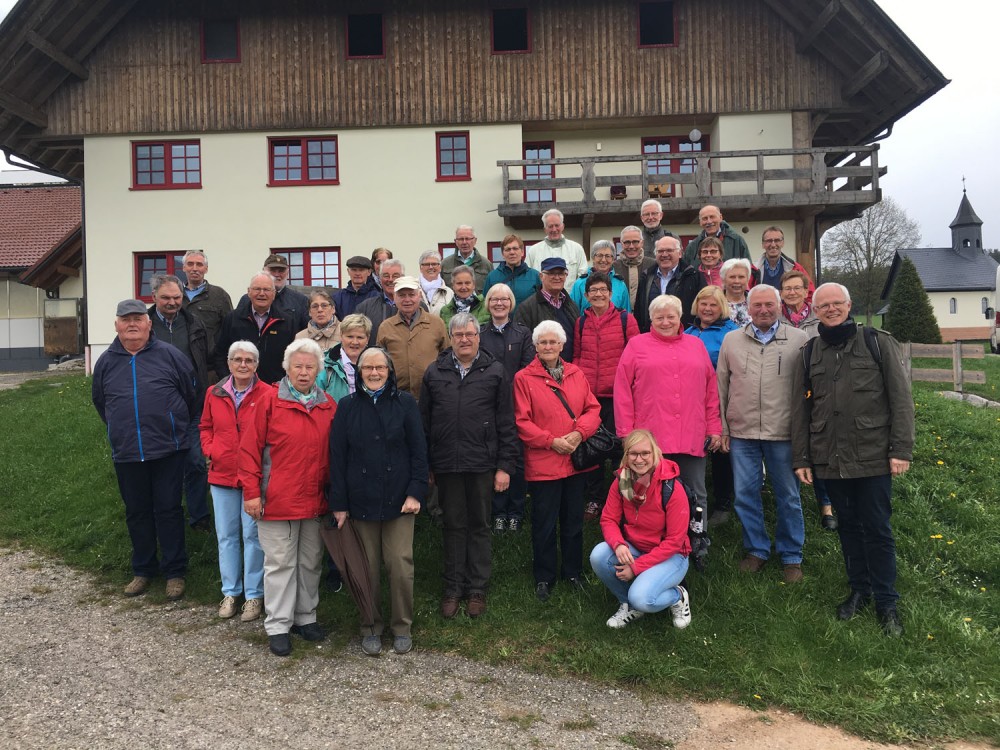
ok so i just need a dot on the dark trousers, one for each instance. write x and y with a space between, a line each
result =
466 500
510 502
722 482
597 487
152 494
195 477
863 509
557 501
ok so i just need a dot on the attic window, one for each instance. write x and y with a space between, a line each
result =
511 33
656 24
220 40
966 243
364 35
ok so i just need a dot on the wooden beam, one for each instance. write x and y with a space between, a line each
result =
816 27
68 271
57 55
23 110
779 7
878 62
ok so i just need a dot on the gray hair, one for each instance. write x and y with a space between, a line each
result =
375 350
503 289
665 300
553 212
764 287
160 279
302 346
732 263
462 320
243 346
391 263
844 290
262 275
189 253
603 245
465 226
356 320
545 327
428 254
462 268
651 202
630 228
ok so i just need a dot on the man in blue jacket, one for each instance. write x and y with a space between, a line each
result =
144 391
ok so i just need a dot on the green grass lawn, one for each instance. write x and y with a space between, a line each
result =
753 641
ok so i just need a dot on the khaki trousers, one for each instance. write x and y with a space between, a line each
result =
293 557
390 542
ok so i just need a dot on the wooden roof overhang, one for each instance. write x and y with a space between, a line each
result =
62 262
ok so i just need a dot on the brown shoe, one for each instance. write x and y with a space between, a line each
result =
476 606
136 586
752 564
793 573
592 512
175 588
449 607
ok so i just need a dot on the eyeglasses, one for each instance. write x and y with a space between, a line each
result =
830 305
320 306
465 335
597 290
259 289
512 247
631 242
465 239
602 256
774 241
793 288
558 272
640 454
430 265
243 361
374 368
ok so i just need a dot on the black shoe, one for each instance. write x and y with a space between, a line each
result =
281 644
542 591
576 584
204 524
309 632
888 620
334 583
852 605
828 522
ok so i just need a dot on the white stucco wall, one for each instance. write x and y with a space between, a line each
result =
968 308
753 132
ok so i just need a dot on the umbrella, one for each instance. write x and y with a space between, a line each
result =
349 555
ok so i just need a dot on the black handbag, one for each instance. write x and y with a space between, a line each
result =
594 450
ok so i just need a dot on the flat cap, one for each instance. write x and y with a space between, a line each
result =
130 307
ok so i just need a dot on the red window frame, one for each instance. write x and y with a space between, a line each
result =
169 262
447 154
145 159
494 253
347 37
527 24
539 172
275 169
212 60
638 23
305 269
674 164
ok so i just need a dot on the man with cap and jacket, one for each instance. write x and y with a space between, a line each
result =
145 393
293 304
551 302
361 286
670 275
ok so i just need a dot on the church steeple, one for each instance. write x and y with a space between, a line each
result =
966 228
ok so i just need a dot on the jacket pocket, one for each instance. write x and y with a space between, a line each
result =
490 436
865 376
819 442
872 435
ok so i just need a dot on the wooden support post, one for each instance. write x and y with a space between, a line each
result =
956 359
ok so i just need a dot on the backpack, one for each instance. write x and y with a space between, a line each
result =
698 525
871 340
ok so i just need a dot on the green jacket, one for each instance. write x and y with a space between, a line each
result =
478 310
733 246
332 377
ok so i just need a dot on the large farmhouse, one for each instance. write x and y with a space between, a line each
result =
324 129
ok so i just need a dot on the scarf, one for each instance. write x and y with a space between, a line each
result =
349 371
430 287
463 305
838 335
309 400
631 267
374 394
555 372
796 318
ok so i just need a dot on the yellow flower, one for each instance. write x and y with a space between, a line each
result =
951 541
937 536
952 495
757 697
940 463
930 637
966 619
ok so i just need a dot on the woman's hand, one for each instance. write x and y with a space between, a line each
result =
573 438
714 442
253 508
624 572
624 554
340 516
501 481
411 505
562 446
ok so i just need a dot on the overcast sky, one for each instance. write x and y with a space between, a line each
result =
952 135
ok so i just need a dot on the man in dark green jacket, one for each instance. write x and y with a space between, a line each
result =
712 225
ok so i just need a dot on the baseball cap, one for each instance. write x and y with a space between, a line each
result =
276 260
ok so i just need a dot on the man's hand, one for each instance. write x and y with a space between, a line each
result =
805 475
411 505
340 516
501 481
898 466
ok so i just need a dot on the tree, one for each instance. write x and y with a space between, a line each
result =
911 317
863 250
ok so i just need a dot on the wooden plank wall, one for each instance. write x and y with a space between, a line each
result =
732 56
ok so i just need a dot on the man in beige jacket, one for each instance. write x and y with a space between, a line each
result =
413 336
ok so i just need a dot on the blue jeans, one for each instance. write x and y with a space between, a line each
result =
557 501
748 480
819 487
653 590
241 573
195 477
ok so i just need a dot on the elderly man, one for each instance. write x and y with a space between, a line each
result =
463 281
468 412
413 336
292 303
523 280
670 275
383 306
208 303
755 370
551 302
555 245
259 320
774 264
466 255
712 225
602 258
144 392
632 262
360 287
853 425
175 325
651 214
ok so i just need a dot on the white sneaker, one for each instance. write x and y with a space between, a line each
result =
227 608
623 617
682 610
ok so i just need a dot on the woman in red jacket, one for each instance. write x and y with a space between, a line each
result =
602 331
284 468
644 555
228 408
550 435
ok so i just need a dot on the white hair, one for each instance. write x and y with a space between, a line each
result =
460 227
651 202
553 212
546 327
733 263
843 289
764 287
666 300
302 346
243 346
427 254
391 263
262 275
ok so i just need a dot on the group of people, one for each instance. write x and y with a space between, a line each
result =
465 389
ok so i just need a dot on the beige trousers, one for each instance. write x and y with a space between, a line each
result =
390 542
293 559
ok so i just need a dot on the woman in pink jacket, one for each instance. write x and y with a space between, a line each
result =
644 555
666 384
550 436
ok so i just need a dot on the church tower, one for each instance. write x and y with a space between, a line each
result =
967 230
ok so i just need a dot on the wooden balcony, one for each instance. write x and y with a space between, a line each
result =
827 185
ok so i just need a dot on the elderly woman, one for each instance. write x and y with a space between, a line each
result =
378 477
510 344
602 331
555 411
644 555
736 275
228 407
666 383
339 375
436 294
710 260
292 425
602 257
323 328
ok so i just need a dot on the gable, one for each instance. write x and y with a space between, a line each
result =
942 269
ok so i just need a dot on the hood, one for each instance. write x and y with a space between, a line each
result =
390 382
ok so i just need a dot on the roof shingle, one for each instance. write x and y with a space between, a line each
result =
33 220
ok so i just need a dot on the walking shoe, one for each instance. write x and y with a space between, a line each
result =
204 524
513 525
752 564
542 591
138 585
718 518
577 584
828 522
175 589
499 525
853 604
280 645
252 609
888 620
402 644
592 512
793 573
227 608
681 611
311 631
371 645
476 606
623 617
449 607
334 582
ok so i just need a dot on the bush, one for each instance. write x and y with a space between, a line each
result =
911 317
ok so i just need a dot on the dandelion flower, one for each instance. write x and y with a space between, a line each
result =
930 637
966 619
757 697
937 536
940 462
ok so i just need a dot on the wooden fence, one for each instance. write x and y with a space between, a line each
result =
957 375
